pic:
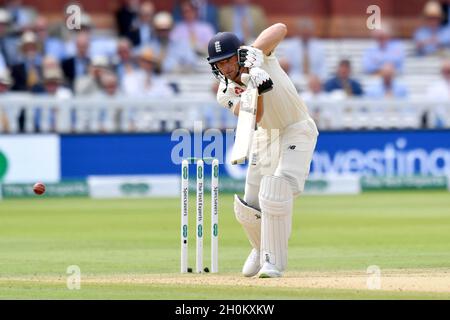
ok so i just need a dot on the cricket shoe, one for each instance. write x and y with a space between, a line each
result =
269 270
252 264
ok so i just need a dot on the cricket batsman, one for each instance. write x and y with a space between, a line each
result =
281 148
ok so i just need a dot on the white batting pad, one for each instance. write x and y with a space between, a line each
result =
250 219
275 199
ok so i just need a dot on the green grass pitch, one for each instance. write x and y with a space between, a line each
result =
130 249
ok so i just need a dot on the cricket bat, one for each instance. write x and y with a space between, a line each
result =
245 126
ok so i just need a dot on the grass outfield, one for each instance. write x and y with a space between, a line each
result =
130 249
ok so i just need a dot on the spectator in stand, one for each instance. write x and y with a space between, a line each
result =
445 6
244 19
77 66
125 16
387 86
110 120
52 86
385 50
49 45
431 37
121 117
197 32
22 16
50 61
125 60
5 81
110 85
53 82
172 56
303 54
441 89
90 84
143 82
99 44
440 92
207 12
5 85
313 96
8 42
28 72
314 89
342 81
142 31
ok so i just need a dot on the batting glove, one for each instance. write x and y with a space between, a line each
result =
260 79
250 57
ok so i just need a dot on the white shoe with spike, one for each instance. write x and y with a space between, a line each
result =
252 265
269 270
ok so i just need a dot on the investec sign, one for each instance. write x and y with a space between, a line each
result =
394 158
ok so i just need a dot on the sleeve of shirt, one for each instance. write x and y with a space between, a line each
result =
228 99
319 67
444 36
175 34
329 85
357 88
418 35
368 62
2 63
399 56
169 63
208 33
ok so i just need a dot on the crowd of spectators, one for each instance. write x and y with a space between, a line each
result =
145 44
44 58
48 59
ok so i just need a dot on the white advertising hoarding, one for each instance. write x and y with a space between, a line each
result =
346 184
134 186
29 158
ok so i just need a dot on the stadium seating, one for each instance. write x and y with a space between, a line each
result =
196 99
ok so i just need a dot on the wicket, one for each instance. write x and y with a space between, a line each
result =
199 213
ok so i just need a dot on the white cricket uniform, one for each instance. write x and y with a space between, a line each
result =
284 141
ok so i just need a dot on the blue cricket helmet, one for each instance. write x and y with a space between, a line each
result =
222 46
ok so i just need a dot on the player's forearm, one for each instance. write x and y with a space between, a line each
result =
268 40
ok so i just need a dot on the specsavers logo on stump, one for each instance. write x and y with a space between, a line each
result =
3 165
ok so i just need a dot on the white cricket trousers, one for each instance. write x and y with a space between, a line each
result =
281 152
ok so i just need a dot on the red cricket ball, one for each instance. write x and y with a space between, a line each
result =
39 188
